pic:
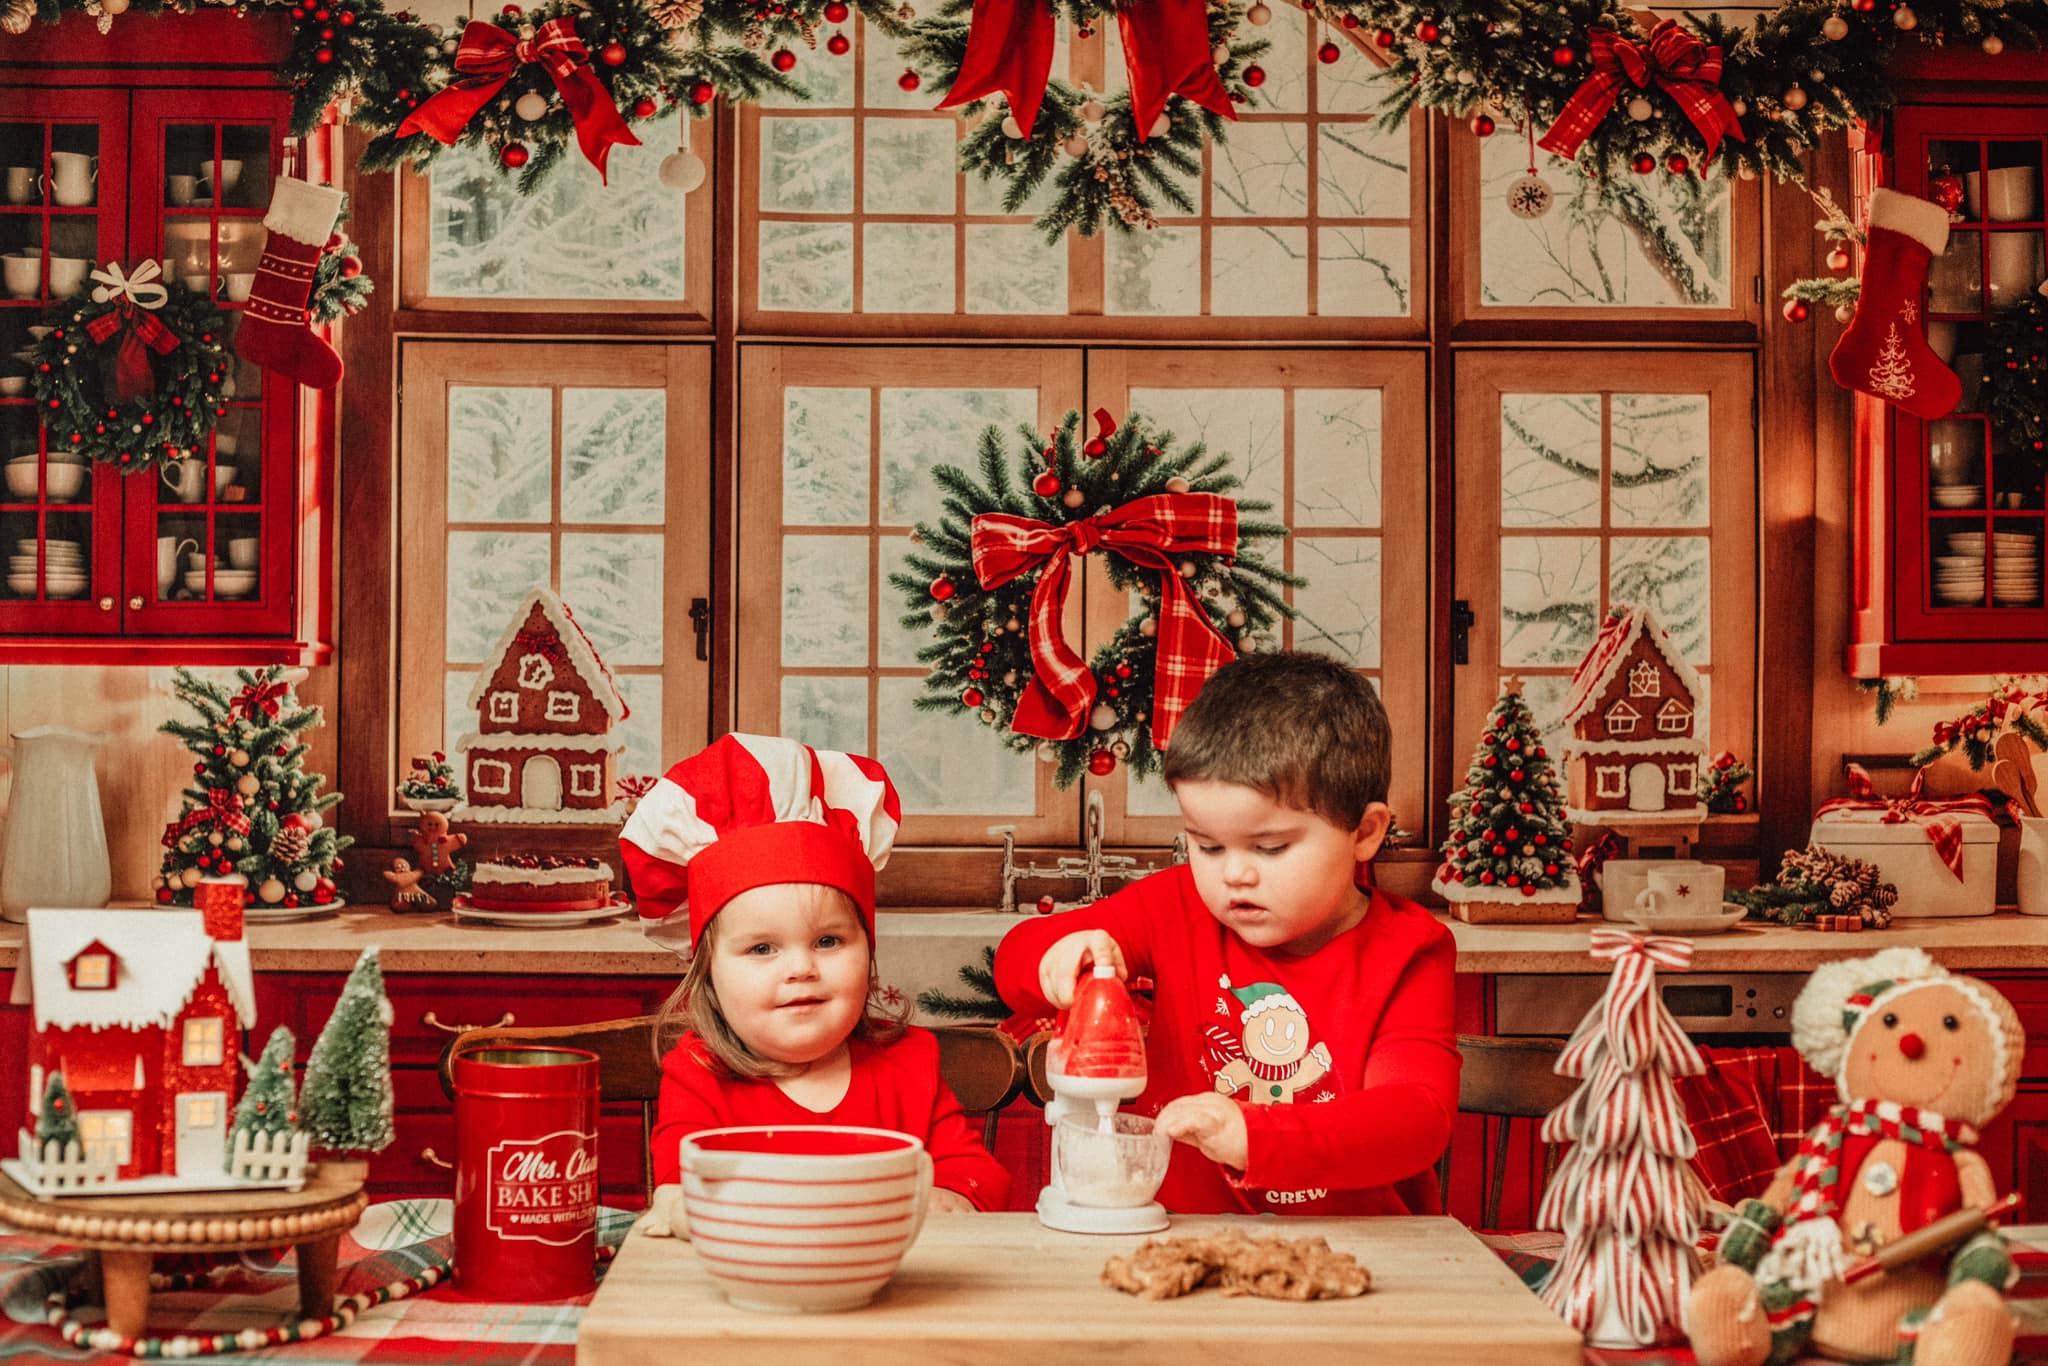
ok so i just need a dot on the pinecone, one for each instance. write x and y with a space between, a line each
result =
290 846
676 14
16 15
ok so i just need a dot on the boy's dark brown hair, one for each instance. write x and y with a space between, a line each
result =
1301 728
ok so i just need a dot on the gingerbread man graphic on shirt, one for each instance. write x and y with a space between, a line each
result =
1277 1062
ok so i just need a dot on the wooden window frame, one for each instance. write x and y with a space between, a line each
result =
1084 319
1733 494
682 372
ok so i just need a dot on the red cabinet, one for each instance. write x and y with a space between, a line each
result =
160 141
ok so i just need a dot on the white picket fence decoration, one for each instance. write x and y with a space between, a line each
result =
65 1166
270 1157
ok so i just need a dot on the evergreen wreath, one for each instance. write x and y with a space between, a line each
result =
2016 355
170 422
981 659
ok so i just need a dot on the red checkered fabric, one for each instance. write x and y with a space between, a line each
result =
1938 819
1147 531
1749 1112
1683 67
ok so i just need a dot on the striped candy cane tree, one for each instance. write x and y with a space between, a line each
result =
1625 1196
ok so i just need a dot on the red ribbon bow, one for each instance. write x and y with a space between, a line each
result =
1687 70
1146 531
1938 819
486 60
266 697
223 811
145 332
1166 48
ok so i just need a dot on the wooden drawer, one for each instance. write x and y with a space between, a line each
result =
423 1119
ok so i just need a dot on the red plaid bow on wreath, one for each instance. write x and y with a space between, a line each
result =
1146 531
487 59
142 331
1938 819
1686 69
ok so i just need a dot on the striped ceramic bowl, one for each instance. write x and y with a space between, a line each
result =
794 1218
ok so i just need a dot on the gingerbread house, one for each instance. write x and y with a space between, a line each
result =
1632 746
143 1012
545 750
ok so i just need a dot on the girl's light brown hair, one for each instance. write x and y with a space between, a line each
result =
693 1006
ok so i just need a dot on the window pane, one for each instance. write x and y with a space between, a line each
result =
457 717
499 440
1362 172
806 267
831 713
1248 425
1362 272
1337 457
1550 460
488 573
1340 605
573 238
614 453
1549 599
897 645
1666 244
947 762
926 428
910 166
1011 269
806 165
907 268
1545 694
1261 171
1668 574
825 457
613 584
642 729
1156 273
825 601
1258 271
1661 446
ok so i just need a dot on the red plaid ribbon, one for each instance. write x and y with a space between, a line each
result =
265 697
1146 531
223 810
144 332
486 60
1938 819
544 643
1687 69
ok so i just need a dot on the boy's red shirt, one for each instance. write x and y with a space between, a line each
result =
1348 1116
895 1085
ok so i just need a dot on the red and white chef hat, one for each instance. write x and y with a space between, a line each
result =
755 811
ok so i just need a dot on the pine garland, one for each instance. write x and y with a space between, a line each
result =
981 659
2017 704
2016 356
1813 882
981 1002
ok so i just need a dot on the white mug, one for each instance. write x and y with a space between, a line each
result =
67 273
71 177
2015 264
242 552
182 188
23 184
23 275
224 183
186 479
240 282
1686 890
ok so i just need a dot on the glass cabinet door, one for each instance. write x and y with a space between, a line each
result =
62 214
210 538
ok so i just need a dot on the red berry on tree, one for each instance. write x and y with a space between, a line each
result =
1255 76
1101 763
613 53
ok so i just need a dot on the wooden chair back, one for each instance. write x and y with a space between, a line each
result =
1508 1080
981 1064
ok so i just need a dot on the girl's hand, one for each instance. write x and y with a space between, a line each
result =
1065 959
664 1216
1212 1123
944 1201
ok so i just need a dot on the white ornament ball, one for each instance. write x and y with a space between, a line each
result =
247 785
1176 485
1009 677
239 758
1220 53
1073 498
1159 127
271 892
1795 98
1103 717
532 106
1076 145
1012 128
1904 17
1091 111
1844 312
114 6
988 716
941 611
450 46
1640 109
1187 569
1992 45
1835 28
313 819
1236 617
1120 748
1258 16
1740 107
1048 752
236 844
1149 626
307 880
682 171
190 877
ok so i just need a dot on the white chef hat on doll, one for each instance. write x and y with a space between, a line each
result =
754 811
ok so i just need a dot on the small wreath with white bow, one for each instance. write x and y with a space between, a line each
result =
132 371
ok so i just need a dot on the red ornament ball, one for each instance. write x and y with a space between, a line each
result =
1102 763
644 107
514 156
1427 31
291 898
836 12
909 80
1328 52
1486 878
1562 56
1550 870
1677 164
783 60
1514 745
971 698
837 45
1643 163
1795 310
612 53
1384 38
163 894
1045 905
1046 485
1482 125
703 92
351 266
324 56
1255 76
1096 448
1838 259
942 588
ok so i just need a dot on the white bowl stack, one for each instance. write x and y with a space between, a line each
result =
227 583
1959 573
63 569
2015 568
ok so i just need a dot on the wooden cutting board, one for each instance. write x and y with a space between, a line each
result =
978 1288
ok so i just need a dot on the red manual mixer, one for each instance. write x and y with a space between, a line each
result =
1106 1166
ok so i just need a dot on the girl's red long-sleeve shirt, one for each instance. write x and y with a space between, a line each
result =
1345 1059
895 1085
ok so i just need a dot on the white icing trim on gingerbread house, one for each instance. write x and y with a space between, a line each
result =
1674 815
582 654
563 705
161 957
1596 671
586 780
1610 780
1667 744
1682 780
507 739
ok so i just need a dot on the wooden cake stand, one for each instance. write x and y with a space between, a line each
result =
127 1231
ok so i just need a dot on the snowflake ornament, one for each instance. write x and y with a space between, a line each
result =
1530 196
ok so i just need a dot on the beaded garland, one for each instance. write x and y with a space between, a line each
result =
170 422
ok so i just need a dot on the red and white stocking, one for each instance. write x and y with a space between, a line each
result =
1885 353
275 333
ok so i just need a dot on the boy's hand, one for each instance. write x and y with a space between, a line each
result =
1063 962
1214 1124
944 1201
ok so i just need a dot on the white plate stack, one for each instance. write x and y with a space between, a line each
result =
63 569
1959 573
2015 568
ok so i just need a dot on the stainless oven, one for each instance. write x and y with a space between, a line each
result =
1736 1007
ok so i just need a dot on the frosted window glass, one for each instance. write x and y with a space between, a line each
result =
1156 273
1337 457
1661 447
489 572
1340 605
1549 460
499 443
948 762
614 455
806 267
1258 271
907 268
1550 599
613 584
922 429
827 713
825 601
825 457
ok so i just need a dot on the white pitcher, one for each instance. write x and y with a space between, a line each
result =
56 850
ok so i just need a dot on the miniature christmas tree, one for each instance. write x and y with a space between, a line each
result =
1625 1195
1510 843
1721 785
252 809
345 1103
268 1106
57 1119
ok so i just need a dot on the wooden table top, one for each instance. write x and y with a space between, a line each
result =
1001 1287
330 1202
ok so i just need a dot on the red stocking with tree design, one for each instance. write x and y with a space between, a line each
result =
1885 353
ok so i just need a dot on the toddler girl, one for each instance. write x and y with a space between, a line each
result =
759 854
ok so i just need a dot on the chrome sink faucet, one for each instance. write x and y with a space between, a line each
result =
1092 869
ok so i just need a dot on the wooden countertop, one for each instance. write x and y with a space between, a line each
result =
925 948
1001 1287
